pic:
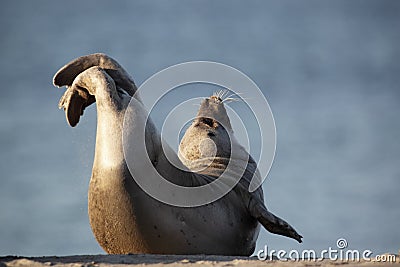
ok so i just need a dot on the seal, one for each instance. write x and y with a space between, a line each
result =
125 219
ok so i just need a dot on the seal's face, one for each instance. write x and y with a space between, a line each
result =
209 135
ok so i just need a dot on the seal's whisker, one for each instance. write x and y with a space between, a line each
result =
221 94
217 93
230 99
224 94
235 99
238 94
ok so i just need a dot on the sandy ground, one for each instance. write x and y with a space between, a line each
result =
171 260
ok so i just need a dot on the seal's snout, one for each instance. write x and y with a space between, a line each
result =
216 99
212 113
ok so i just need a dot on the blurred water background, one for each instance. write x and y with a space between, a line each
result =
329 69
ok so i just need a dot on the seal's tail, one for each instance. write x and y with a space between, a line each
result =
271 222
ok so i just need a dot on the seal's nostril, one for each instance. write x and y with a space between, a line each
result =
211 134
207 121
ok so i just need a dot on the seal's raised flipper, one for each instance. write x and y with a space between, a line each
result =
77 97
67 74
271 222
93 83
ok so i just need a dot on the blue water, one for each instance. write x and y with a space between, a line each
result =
329 69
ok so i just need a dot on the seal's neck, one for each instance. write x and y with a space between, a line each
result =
109 151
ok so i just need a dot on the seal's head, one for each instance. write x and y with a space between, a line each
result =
210 136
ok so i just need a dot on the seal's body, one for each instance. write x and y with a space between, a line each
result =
124 218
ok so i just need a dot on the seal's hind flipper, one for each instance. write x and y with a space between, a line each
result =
67 74
94 84
271 222
77 97
74 101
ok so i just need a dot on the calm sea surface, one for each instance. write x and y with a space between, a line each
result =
329 69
